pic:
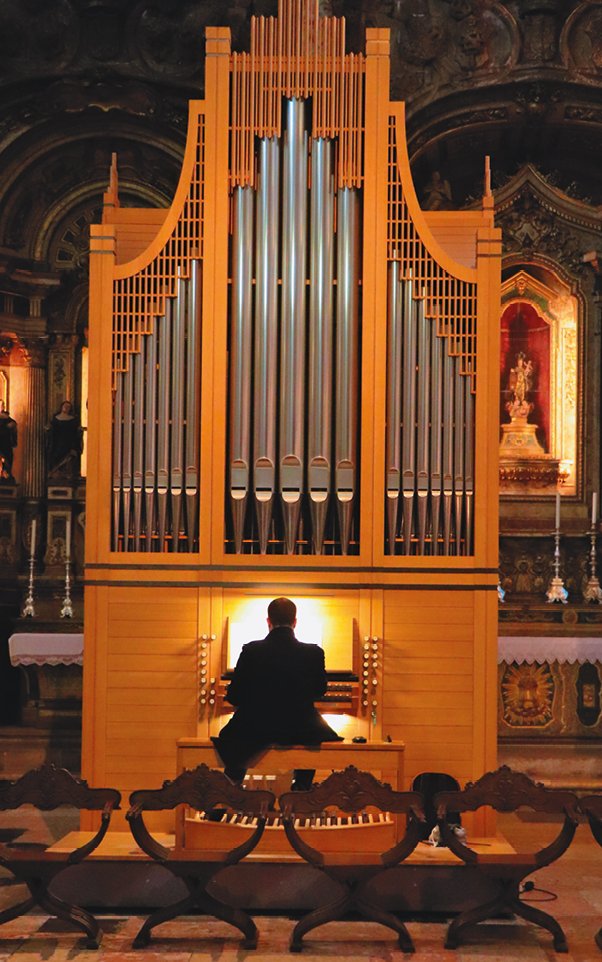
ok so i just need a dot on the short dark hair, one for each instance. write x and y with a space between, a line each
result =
282 611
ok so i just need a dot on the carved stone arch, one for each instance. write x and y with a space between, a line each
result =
53 170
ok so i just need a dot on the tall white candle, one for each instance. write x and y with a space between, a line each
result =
594 508
557 510
32 547
68 540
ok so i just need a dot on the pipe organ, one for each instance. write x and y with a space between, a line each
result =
291 372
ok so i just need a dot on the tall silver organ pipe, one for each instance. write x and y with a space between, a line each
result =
241 357
266 336
394 381
193 401
128 398
433 399
436 435
346 387
423 422
163 418
448 448
321 272
292 339
408 450
469 461
138 479
178 387
117 461
150 441
458 453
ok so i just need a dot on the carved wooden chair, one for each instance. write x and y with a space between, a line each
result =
506 791
202 789
591 805
46 788
351 791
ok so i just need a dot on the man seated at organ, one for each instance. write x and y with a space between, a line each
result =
275 684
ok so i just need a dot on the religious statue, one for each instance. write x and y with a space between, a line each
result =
64 443
8 441
519 438
520 383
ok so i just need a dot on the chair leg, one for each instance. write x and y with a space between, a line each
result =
375 914
63 910
231 914
164 914
531 914
471 917
326 913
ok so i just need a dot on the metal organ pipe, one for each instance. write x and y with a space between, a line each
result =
292 339
436 434
448 446
117 462
394 378
150 441
240 357
469 461
128 399
422 421
346 387
408 451
178 386
138 374
163 416
193 400
320 337
266 336
458 451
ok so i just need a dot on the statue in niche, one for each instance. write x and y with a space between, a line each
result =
519 438
8 441
520 383
64 443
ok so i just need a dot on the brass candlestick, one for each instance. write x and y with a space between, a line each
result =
593 592
557 591
67 609
28 609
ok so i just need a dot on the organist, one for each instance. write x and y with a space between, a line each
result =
274 686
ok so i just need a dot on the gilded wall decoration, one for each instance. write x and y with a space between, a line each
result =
527 695
552 700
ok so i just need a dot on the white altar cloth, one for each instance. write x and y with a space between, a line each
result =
549 649
38 648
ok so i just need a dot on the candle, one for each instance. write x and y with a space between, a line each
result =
558 511
594 508
68 540
32 548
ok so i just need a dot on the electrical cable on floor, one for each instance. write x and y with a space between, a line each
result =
530 887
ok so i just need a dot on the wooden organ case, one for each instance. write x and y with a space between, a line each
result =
293 390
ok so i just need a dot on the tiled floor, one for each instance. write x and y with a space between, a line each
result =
576 880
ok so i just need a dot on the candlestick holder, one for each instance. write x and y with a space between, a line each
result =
557 591
593 592
67 609
29 610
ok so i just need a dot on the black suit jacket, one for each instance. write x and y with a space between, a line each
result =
274 686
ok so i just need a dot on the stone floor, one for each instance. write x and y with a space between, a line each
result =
575 880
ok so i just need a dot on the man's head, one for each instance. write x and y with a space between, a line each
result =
282 612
